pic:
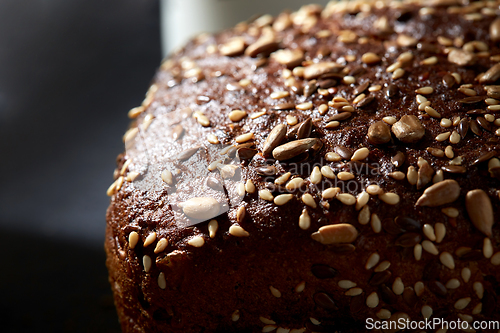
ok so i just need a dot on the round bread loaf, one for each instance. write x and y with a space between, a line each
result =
314 172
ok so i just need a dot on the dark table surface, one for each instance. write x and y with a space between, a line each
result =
69 72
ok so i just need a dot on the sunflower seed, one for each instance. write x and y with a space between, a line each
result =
480 210
335 234
293 149
441 193
491 75
316 70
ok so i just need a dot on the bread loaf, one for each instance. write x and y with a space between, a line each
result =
315 170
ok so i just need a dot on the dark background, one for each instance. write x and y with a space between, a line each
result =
69 72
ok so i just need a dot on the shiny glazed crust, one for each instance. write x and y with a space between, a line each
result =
390 128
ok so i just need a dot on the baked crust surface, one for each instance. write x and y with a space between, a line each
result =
401 103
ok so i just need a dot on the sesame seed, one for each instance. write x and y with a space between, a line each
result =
389 198
354 292
330 193
432 112
429 61
346 284
384 265
294 184
304 106
421 99
135 112
291 120
479 289
445 122
150 239
426 311
244 137
237 231
495 259
332 157
398 286
332 124
213 225
358 98
147 263
344 175
454 137
327 172
304 220
300 287
111 189
309 200
364 215
466 274
323 108
316 175
383 314
374 189
422 106
417 252
360 154
240 214
398 73
133 239
201 119
279 94
457 77
430 247
257 114
447 259
282 199
443 136
456 120
214 165
392 68
493 107
167 177
162 283
240 189
440 232
362 199
237 115
346 198
462 303
161 245
429 232
453 284
197 241
372 300
477 309
390 120
419 288
425 90
398 175
349 79
405 57
275 292
376 223
267 321
370 58
487 248
266 195
282 179
235 316
372 260
249 186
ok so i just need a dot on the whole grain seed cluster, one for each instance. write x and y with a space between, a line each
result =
367 138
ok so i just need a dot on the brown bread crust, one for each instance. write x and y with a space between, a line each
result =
251 279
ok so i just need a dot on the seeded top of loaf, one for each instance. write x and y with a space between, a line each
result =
371 129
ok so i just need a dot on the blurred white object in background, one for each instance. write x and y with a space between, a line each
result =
183 19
